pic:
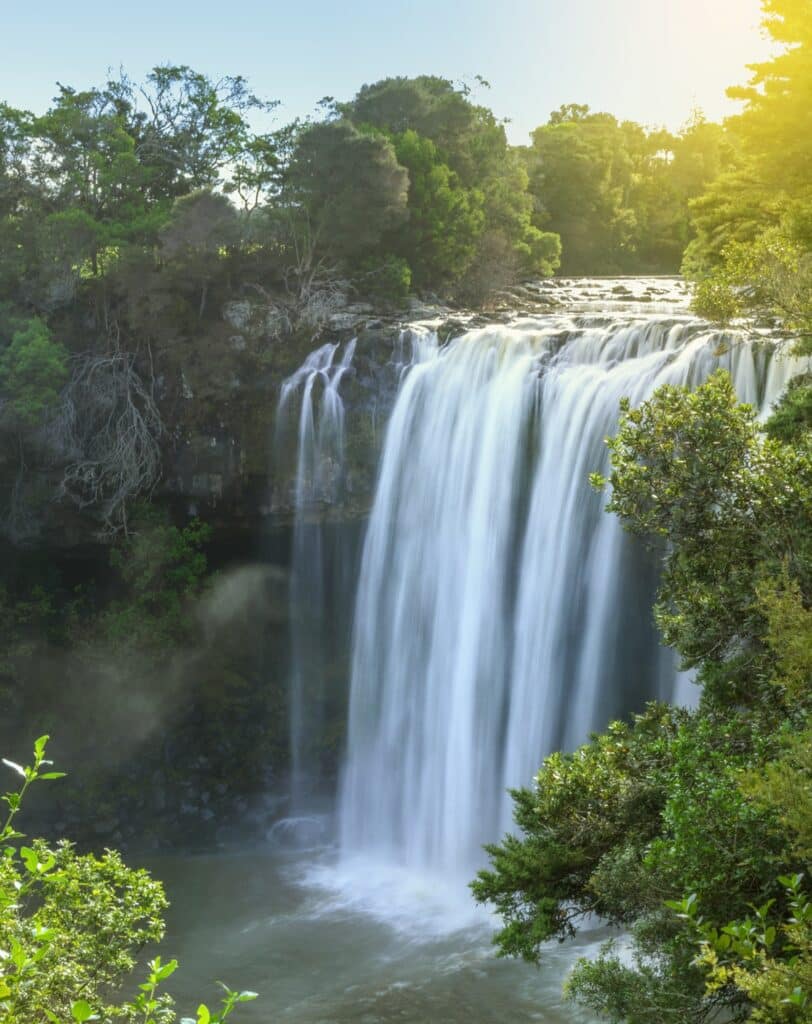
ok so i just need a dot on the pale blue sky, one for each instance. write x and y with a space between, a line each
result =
649 60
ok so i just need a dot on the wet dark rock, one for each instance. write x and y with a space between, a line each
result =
105 826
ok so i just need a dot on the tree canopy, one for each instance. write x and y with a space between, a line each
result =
753 246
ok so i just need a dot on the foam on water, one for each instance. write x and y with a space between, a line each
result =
416 904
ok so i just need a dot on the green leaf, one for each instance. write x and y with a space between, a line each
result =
203 1014
82 1011
29 858
797 997
166 970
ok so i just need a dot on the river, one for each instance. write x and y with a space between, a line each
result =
320 948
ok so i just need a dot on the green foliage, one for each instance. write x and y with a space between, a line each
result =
93 915
471 141
124 185
766 958
193 131
603 801
201 229
766 961
694 469
112 203
388 280
579 169
716 301
349 188
470 226
784 785
754 222
163 568
72 926
511 246
791 417
445 218
768 278
90 184
117 238
615 826
716 803
616 193
33 368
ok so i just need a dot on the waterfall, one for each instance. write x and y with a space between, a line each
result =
319 559
501 613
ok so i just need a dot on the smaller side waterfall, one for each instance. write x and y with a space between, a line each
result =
320 563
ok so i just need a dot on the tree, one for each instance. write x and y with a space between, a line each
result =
33 368
775 126
684 813
202 227
694 469
192 131
580 174
791 418
470 224
445 219
15 136
87 169
754 223
768 278
511 246
619 193
347 189
467 136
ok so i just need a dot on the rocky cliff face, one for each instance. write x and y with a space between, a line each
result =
234 470
217 396
231 467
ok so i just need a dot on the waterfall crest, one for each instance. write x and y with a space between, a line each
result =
501 613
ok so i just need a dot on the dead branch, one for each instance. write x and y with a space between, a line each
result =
106 430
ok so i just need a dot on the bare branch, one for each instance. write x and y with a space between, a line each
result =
107 429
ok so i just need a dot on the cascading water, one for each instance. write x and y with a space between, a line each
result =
319 563
501 613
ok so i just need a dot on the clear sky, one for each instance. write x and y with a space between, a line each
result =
648 60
